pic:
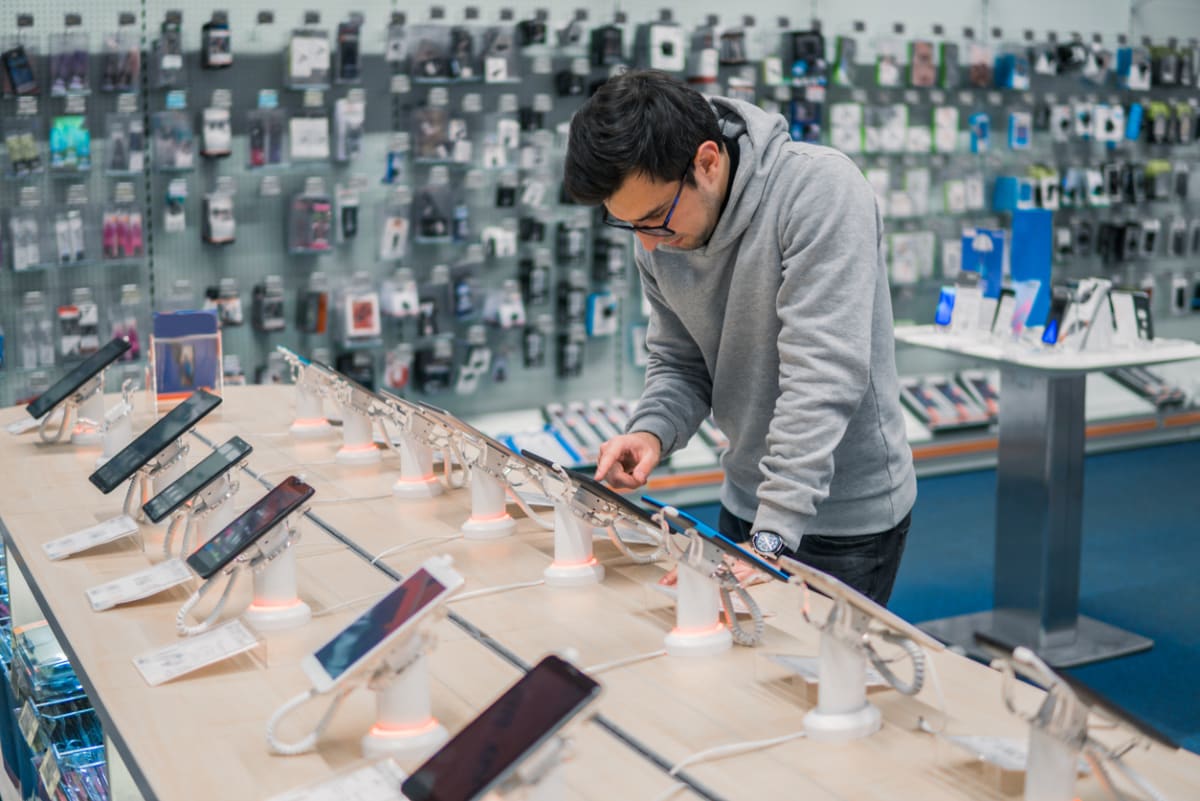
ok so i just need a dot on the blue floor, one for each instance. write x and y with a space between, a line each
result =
1140 571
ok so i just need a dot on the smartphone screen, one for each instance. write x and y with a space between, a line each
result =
154 440
724 543
72 381
1058 306
586 483
20 71
373 628
491 746
252 524
196 480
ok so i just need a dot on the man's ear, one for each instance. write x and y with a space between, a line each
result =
708 160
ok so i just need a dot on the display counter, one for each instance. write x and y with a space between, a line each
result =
203 735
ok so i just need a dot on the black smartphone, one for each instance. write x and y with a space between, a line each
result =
69 384
154 440
724 543
196 480
590 486
20 71
491 746
1059 298
252 524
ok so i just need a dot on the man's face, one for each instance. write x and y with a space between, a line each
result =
644 201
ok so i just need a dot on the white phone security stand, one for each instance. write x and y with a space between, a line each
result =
1058 732
82 414
489 518
486 471
118 426
698 628
843 712
405 726
310 422
276 604
144 484
575 563
539 777
209 512
417 479
358 437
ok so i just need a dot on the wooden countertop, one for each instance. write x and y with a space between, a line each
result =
202 736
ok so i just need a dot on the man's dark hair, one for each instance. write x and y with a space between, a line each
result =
639 122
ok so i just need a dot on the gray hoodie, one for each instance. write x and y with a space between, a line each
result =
782 325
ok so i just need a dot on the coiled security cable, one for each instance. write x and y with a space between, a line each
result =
912 650
181 624
309 741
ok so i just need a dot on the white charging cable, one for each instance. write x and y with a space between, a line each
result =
464 596
720 752
181 624
309 741
527 510
395 549
629 660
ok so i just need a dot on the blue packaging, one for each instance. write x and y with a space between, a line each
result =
983 253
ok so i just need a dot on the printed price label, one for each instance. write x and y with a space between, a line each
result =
377 782
27 106
808 668
541 65
75 104
90 537
178 659
127 103
176 100
137 586
314 98
401 85
27 721
22 426
49 773
222 98
269 186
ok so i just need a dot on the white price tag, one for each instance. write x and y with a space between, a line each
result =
27 106
401 85
541 66
137 586
808 668
1006 753
27 721
110 530
22 426
76 104
49 773
376 782
178 659
127 103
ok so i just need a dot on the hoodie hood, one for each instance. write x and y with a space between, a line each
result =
760 137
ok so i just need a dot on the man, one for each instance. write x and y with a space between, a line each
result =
762 261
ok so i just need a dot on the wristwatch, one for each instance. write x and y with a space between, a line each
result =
767 544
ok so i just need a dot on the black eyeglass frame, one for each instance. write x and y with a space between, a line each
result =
662 230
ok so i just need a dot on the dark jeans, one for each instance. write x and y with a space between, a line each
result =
867 562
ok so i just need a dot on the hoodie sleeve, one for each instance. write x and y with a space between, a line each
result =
829 239
678 390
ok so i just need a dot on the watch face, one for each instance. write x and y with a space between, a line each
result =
767 542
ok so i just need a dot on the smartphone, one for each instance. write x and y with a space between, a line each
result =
268 512
69 384
196 480
1086 694
587 485
352 650
20 71
724 543
834 588
1059 298
492 746
154 440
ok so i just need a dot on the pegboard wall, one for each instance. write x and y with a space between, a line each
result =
506 188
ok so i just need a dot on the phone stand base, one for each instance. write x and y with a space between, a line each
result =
574 575
276 618
699 643
316 428
364 454
489 528
405 743
86 436
416 488
842 727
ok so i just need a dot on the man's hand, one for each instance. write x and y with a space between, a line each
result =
626 461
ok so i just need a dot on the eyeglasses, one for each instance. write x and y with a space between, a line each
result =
662 230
